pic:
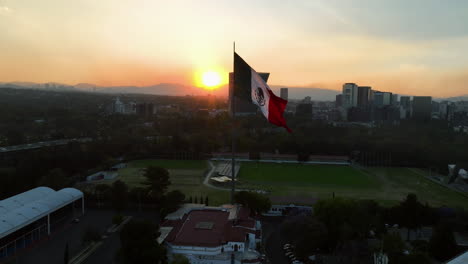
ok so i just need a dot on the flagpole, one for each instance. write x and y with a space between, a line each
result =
233 132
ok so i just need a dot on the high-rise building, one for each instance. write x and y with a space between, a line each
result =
382 99
243 107
284 93
350 95
363 96
307 100
422 108
405 102
304 110
395 99
339 100
118 106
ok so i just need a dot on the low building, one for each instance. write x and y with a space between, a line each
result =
31 216
212 235
460 259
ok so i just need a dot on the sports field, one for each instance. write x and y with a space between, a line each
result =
305 183
301 174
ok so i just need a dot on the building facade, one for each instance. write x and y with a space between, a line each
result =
363 96
284 93
422 108
350 95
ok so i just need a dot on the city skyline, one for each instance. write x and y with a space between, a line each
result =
394 46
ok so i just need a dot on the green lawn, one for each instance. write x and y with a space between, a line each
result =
302 184
301 174
295 182
398 182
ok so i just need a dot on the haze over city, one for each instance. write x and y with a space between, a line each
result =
403 47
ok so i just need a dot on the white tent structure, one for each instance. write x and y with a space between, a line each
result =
26 208
463 174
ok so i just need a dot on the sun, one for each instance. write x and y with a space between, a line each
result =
211 79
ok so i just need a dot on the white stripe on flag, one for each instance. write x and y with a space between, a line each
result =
259 92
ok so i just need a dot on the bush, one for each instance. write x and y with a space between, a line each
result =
117 219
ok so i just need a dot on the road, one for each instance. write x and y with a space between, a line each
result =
272 240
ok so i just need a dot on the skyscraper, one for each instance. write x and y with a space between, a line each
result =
422 108
405 102
382 99
363 96
284 93
339 100
350 95
395 99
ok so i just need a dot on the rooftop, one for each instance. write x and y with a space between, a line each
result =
209 227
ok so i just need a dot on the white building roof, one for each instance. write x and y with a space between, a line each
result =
22 199
29 207
462 259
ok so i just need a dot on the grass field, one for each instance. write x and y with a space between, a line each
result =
303 184
299 174
296 182
398 182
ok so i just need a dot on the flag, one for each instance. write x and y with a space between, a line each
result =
250 86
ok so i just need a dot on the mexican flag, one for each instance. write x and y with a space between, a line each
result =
250 86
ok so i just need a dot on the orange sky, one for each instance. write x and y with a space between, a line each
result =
390 45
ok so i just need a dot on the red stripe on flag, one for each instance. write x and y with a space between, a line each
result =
276 108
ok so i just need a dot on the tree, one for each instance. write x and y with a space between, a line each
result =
411 212
55 179
173 200
256 202
196 200
103 192
157 181
254 155
119 192
190 200
66 255
206 201
306 233
139 245
138 195
442 244
394 247
180 259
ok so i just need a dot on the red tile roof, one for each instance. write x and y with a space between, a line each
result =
187 231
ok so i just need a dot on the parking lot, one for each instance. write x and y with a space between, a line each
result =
52 250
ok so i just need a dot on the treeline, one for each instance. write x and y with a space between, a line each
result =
356 229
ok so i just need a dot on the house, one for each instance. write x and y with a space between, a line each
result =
212 235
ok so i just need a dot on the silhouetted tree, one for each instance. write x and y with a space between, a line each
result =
139 245
119 193
157 182
256 202
442 244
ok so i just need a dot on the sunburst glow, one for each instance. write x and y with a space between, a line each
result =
211 79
